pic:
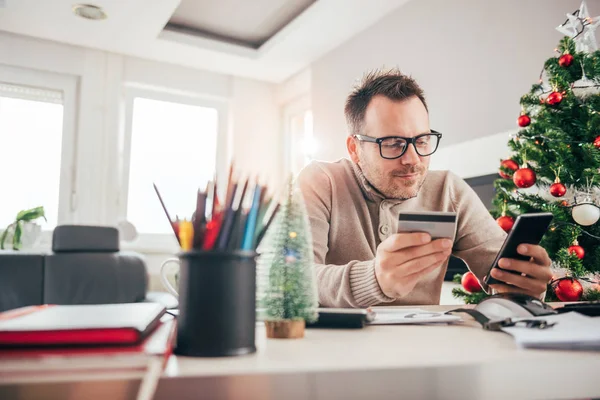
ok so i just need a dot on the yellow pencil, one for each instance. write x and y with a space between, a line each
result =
186 235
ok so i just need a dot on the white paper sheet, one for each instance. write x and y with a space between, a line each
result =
573 331
411 316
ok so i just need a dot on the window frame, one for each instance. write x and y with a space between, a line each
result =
68 85
156 242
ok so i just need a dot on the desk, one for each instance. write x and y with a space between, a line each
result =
377 362
381 362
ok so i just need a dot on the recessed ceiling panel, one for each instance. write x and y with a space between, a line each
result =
248 23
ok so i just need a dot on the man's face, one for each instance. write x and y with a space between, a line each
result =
400 178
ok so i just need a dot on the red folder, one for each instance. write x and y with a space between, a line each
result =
80 325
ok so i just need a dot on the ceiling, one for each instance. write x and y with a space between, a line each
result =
268 40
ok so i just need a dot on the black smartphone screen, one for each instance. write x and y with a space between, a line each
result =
528 229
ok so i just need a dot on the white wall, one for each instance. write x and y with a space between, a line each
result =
474 157
473 58
253 116
295 87
257 144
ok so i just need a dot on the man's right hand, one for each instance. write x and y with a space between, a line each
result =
403 258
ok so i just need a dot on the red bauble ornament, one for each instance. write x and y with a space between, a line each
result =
524 178
577 250
568 289
505 222
558 189
470 283
554 98
524 120
565 60
597 142
508 164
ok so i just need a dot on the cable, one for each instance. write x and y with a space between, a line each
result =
555 224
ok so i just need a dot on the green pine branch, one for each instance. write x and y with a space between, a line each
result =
591 295
466 297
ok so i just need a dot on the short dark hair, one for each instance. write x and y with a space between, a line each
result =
391 83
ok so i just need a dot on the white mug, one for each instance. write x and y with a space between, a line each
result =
163 277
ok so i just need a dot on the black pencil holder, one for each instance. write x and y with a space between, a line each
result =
217 303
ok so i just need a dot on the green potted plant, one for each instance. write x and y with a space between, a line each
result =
23 224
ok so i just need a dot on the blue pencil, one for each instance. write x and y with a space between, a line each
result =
252 218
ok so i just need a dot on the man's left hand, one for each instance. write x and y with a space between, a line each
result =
534 276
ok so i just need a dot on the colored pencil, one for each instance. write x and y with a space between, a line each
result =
236 220
199 220
248 240
228 221
162 203
262 233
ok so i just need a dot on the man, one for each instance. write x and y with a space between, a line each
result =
353 206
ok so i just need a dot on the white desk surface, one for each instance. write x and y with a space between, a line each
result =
416 361
376 362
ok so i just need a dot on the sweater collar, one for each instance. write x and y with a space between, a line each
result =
368 190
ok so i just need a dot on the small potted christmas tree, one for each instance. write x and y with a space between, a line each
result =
287 280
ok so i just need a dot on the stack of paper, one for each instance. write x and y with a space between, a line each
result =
572 331
389 316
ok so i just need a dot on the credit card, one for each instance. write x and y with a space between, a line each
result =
438 224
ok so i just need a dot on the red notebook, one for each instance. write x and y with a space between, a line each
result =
64 325
145 360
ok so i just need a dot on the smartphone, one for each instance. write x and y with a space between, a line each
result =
437 223
528 229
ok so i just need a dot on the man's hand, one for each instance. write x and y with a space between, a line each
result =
535 273
403 258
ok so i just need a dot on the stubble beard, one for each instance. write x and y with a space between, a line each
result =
392 186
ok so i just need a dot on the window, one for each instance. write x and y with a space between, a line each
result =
173 144
31 138
303 141
300 144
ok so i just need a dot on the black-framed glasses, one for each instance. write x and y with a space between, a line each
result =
392 147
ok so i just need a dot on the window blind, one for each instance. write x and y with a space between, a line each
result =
31 93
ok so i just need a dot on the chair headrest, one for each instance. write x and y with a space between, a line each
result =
84 238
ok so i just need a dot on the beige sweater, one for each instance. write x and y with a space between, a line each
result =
349 218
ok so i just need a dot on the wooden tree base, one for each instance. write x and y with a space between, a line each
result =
285 329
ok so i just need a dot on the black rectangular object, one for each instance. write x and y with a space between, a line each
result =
404 216
83 238
591 308
348 318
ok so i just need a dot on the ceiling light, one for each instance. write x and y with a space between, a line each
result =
89 11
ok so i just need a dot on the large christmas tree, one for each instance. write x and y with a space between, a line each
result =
554 165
